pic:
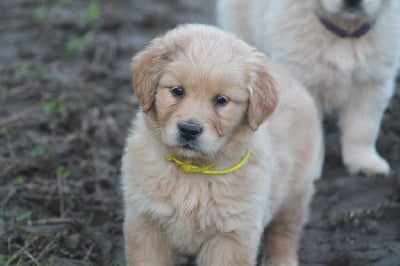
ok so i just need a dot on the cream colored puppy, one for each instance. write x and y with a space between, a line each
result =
202 173
346 52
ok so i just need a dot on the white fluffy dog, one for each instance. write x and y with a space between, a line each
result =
346 52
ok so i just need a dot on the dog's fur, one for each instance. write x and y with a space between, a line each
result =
219 218
355 76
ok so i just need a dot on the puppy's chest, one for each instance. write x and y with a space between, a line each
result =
199 209
188 228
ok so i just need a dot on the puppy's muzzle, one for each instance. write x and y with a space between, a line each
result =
189 130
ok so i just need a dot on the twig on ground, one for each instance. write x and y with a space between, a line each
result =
30 256
21 250
61 197
52 221
51 245
88 252
15 117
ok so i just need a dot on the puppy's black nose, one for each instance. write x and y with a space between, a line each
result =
353 3
189 130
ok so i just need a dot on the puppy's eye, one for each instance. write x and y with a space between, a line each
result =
178 91
221 100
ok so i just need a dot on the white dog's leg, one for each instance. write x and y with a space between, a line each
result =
360 123
228 249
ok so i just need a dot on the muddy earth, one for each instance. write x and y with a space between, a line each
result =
65 107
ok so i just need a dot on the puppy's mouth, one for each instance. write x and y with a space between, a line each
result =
188 145
187 148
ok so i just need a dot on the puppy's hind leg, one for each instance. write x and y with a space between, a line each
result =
360 122
145 244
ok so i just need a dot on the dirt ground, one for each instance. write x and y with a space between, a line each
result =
65 107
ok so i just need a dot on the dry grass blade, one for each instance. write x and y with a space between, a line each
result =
52 245
32 259
21 250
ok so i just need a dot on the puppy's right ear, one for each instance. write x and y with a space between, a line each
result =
147 67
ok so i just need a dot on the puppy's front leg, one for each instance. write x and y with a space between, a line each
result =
145 244
228 249
360 122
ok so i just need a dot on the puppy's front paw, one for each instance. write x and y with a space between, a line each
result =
365 161
281 262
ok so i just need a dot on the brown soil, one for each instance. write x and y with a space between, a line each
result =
65 107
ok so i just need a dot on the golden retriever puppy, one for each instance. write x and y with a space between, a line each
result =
345 52
202 173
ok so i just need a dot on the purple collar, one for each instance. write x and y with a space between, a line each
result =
361 31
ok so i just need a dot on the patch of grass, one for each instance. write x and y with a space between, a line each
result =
37 150
3 205
36 69
54 74
26 216
89 221
2 259
19 180
93 12
52 107
65 2
51 261
24 69
66 253
1 228
40 15
62 172
75 46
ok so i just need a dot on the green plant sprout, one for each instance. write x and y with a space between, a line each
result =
64 2
62 172
52 107
93 12
19 180
40 15
37 150
26 216
75 45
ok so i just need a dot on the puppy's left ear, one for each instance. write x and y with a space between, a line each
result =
263 96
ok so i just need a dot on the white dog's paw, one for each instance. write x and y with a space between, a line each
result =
366 161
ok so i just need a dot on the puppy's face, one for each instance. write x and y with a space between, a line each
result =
200 103
207 89
353 9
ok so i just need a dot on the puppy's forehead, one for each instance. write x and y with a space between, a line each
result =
211 63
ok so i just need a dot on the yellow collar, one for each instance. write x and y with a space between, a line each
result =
190 168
